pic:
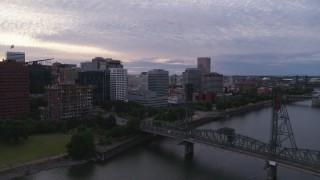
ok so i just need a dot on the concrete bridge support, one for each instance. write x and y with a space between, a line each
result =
188 149
271 170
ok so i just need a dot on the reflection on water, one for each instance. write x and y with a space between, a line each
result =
83 171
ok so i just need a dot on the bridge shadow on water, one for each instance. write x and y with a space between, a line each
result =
83 171
192 167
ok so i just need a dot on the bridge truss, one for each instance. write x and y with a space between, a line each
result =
282 147
303 159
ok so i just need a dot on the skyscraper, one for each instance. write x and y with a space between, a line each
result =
17 56
100 81
204 64
158 81
14 89
212 84
192 76
87 66
118 84
158 90
39 77
101 64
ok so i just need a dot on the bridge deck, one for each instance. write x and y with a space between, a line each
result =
301 159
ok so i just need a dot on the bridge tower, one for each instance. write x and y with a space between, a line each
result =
281 129
188 102
189 146
281 132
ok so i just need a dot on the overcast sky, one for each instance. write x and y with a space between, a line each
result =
246 37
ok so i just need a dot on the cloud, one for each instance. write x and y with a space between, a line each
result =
268 63
166 30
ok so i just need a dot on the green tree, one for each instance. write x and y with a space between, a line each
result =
117 132
106 123
81 146
132 126
13 130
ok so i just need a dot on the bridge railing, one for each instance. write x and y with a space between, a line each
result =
207 135
235 140
301 156
310 158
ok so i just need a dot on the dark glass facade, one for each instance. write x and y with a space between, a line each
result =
39 77
100 80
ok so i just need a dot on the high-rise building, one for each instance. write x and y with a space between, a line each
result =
192 76
158 81
39 77
100 81
64 73
87 66
137 82
98 63
101 64
72 75
14 89
204 64
213 82
173 80
114 75
17 56
67 101
118 84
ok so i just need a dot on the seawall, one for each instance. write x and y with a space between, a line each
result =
231 112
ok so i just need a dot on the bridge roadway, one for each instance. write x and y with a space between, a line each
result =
297 97
299 159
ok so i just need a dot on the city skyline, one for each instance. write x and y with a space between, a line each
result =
241 37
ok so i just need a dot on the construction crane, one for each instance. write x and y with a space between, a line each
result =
41 60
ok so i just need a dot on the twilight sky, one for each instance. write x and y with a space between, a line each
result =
242 37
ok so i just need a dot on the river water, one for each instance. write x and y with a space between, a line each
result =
163 158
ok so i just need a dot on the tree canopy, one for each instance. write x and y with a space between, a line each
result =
81 145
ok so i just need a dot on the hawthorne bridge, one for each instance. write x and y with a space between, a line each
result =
281 149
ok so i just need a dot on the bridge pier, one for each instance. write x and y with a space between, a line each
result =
188 149
271 170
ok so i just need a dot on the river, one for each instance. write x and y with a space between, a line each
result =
163 158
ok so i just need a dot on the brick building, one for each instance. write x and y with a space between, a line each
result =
14 89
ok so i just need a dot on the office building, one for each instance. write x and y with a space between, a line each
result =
101 64
39 77
173 80
14 89
158 81
204 64
192 76
86 66
138 82
64 73
212 84
118 84
17 56
147 98
100 82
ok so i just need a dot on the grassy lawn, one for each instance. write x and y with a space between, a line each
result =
36 147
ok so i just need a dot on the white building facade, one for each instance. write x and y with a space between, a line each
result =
17 56
118 84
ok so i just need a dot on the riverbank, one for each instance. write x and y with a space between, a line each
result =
38 165
62 160
106 152
201 117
